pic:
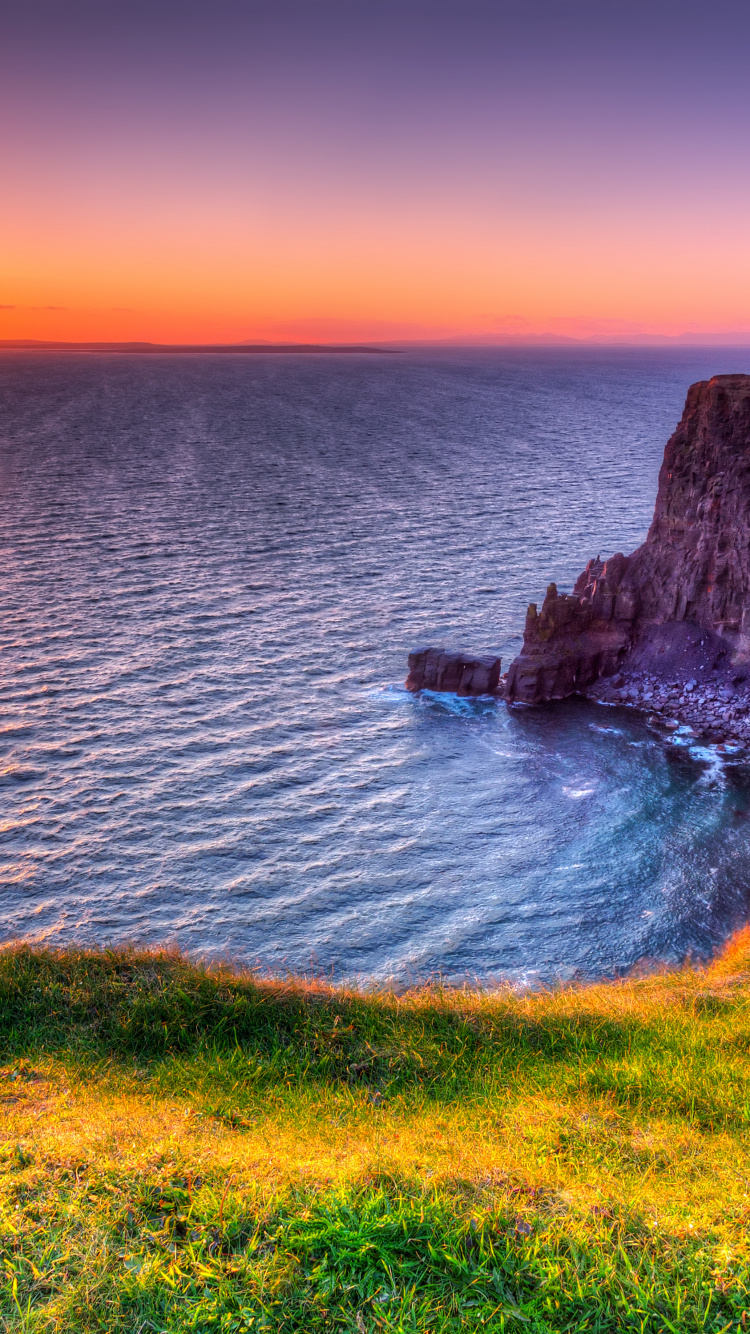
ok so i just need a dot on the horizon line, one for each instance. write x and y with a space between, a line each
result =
738 340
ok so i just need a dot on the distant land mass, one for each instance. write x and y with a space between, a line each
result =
36 345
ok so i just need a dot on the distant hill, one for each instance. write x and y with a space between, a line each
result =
36 345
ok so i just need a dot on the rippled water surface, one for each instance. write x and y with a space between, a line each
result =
212 572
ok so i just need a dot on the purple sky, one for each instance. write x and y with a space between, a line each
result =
243 169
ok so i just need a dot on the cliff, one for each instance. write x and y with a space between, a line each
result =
684 596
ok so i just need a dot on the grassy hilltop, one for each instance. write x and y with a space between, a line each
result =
185 1149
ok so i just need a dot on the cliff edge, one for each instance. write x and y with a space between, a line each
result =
681 599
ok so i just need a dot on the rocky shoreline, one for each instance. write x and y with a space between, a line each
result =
717 711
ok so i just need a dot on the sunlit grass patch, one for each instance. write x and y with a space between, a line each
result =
186 1149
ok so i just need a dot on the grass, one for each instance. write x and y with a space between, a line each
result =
196 1149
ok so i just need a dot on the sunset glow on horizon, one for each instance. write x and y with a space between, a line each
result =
389 172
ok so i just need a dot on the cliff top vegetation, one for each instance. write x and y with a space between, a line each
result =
185 1148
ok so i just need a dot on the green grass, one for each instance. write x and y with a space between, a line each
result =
192 1149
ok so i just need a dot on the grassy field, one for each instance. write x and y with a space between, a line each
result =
183 1149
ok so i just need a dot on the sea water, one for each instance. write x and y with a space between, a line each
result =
212 569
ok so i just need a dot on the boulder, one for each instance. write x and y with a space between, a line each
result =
451 670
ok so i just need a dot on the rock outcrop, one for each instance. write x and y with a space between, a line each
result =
685 591
451 670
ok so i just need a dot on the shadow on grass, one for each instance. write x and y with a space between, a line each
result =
165 1013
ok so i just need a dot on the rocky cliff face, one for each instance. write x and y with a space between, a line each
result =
686 590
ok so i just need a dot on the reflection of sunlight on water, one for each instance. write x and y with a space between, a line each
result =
19 873
20 774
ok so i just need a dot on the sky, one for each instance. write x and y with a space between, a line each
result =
374 170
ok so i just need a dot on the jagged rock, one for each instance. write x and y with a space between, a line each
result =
681 603
572 641
451 670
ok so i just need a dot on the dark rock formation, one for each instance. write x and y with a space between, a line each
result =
685 591
449 669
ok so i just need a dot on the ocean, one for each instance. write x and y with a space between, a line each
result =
212 571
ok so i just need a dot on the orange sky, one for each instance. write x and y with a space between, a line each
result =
278 193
